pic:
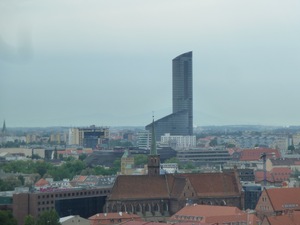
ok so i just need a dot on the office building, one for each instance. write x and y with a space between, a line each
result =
89 137
180 122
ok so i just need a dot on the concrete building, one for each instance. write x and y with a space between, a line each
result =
113 218
89 137
80 201
74 220
144 140
178 142
180 122
204 156
127 163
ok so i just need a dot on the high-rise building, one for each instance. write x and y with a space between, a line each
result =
180 122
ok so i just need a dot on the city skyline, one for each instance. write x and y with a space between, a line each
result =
78 63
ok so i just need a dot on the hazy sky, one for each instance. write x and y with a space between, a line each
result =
84 62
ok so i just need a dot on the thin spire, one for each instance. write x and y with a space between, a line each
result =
4 127
153 150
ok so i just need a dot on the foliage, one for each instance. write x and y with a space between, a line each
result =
230 145
9 184
291 147
119 143
6 218
213 142
82 156
172 160
29 220
48 218
140 160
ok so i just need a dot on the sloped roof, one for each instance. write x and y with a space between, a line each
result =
285 162
41 182
171 185
286 219
255 154
259 176
214 184
284 198
114 215
142 186
211 214
206 211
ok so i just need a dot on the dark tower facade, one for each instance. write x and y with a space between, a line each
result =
180 122
153 158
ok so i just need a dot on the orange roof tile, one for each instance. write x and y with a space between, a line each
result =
123 215
255 154
41 182
211 214
292 218
284 198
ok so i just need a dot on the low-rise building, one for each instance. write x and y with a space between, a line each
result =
209 215
278 201
113 218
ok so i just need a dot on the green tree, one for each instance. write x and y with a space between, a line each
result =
140 160
48 218
29 220
213 142
172 160
6 218
82 156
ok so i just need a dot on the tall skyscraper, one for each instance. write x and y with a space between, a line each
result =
180 122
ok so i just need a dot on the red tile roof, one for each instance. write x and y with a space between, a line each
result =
42 182
292 218
214 184
172 185
212 215
284 198
255 154
107 216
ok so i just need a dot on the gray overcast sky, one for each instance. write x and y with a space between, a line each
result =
84 62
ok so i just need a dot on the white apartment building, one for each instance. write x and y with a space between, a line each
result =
178 142
144 139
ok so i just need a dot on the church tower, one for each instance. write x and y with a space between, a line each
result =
153 158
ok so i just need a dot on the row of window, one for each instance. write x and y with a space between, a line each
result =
74 194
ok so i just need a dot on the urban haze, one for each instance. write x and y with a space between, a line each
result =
109 63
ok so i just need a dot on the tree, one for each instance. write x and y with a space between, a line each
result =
172 160
29 220
213 142
140 160
6 218
82 156
48 218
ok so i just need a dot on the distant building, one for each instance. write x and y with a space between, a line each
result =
78 201
252 193
90 137
74 220
144 140
113 218
204 156
180 122
127 163
166 168
178 142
